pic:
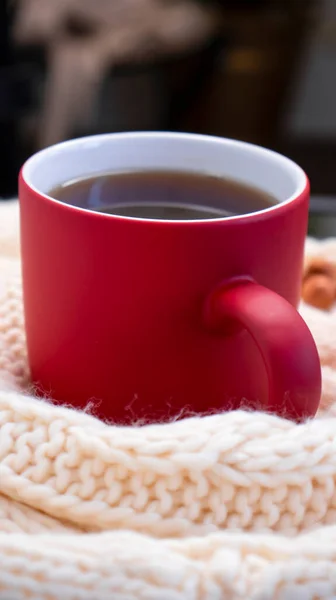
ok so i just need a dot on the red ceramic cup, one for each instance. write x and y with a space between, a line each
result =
152 319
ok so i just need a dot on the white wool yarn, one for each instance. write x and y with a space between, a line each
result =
232 506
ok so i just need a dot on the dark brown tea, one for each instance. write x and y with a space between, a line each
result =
166 195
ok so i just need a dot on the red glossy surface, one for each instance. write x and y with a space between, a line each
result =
282 338
114 311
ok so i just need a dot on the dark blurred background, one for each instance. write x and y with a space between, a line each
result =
259 70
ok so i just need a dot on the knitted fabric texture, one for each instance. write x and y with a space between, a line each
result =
234 506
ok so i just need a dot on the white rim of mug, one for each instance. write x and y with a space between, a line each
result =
302 182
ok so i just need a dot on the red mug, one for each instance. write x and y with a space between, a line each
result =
152 319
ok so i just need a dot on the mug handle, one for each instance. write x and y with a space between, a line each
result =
282 337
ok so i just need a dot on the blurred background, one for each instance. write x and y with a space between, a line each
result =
259 70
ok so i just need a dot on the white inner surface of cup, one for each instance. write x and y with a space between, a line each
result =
252 165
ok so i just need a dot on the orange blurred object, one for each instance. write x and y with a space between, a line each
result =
319 284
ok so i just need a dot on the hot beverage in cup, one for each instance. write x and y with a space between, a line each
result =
169 195
161 276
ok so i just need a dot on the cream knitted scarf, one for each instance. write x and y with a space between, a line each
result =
239 505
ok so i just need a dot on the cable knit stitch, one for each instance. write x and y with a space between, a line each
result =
239 505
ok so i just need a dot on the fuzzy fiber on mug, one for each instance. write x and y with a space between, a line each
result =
231 506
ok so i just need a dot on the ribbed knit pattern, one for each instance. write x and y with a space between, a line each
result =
234 506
